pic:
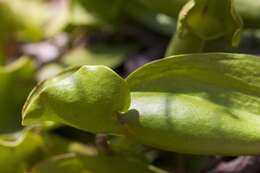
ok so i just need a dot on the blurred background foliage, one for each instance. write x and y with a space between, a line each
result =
40 38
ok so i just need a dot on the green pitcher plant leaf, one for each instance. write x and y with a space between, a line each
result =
78 97
200 104
202 28
197 103
249 10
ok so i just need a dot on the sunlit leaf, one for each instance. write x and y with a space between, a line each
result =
200 104
79 97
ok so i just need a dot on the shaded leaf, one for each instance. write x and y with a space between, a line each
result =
100 9
80 16
100 54
16 81
18 151
95 163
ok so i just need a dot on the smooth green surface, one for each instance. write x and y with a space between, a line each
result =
16 81
202 28
95 163
205 20
90 98
199 104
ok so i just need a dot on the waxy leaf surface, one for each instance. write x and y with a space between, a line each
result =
90 98
200 104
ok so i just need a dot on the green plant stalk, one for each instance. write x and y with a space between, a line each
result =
202 28
249 9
